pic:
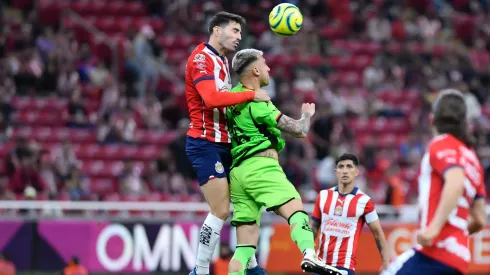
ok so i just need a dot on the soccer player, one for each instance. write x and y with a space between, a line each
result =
256 178
339 215
207 85
451 195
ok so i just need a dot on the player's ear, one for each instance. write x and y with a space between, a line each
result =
216 30
431 119
256 71
357 171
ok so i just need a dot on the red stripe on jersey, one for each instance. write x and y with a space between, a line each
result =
326 208
343 252
321 246
353 262
353 206
331 248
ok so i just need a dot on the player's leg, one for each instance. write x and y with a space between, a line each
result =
246 217
206 160
269 186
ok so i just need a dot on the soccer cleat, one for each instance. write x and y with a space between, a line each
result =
314 265
194 272
256 271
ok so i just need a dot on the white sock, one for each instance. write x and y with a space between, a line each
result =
208 239
252 263
309 253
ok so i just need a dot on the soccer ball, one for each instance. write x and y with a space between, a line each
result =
285 19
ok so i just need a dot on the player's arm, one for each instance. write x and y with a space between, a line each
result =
372 220
478 216
297 128
202 73
379 238
212 98
316 217
451 192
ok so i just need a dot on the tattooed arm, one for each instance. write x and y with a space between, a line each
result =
296 128
380 239
315 226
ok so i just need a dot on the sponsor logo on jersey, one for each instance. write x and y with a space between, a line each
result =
199 57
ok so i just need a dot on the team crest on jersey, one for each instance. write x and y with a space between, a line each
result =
338 211
224 89
199 57
219 167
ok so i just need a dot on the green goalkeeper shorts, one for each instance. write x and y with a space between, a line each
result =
258 182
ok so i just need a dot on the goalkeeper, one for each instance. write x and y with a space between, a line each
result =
256 177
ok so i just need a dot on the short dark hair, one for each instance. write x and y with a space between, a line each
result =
224 18
449 110
347 156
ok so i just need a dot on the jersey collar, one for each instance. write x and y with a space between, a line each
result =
211 48
353 192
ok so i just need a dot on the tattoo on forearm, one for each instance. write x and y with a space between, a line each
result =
305 122
294 127
380 246
314 227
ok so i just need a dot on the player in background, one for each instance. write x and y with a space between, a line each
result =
451 195
256 178
207 86
339 215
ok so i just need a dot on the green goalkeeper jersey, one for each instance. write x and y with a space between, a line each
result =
252 126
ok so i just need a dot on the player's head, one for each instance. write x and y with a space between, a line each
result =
449 115
346 168
251 63
226 29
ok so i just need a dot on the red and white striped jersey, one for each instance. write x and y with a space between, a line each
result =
207 68
341 220
451 245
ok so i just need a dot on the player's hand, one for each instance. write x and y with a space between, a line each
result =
308 108
426 237
261 95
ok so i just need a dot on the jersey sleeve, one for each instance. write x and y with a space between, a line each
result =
443 155
370 214
481 193
317 213
201 70
265 113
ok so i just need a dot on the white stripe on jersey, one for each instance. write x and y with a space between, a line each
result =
424 189
336 251
217 132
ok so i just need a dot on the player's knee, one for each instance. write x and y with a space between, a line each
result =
222 210
234 266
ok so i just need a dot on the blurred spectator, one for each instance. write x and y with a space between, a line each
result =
106 130
48 175
5 193
67 79
322 127
74 267
7 85
126 127
379 28
151 112
77 113
412 150
374 74
48 81
5 130
77 185
396 188
130 181
64 159
46 43
220 265
98 74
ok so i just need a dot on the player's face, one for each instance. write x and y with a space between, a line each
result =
264 71
230 36
346 171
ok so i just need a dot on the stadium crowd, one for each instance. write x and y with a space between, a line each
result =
372 68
